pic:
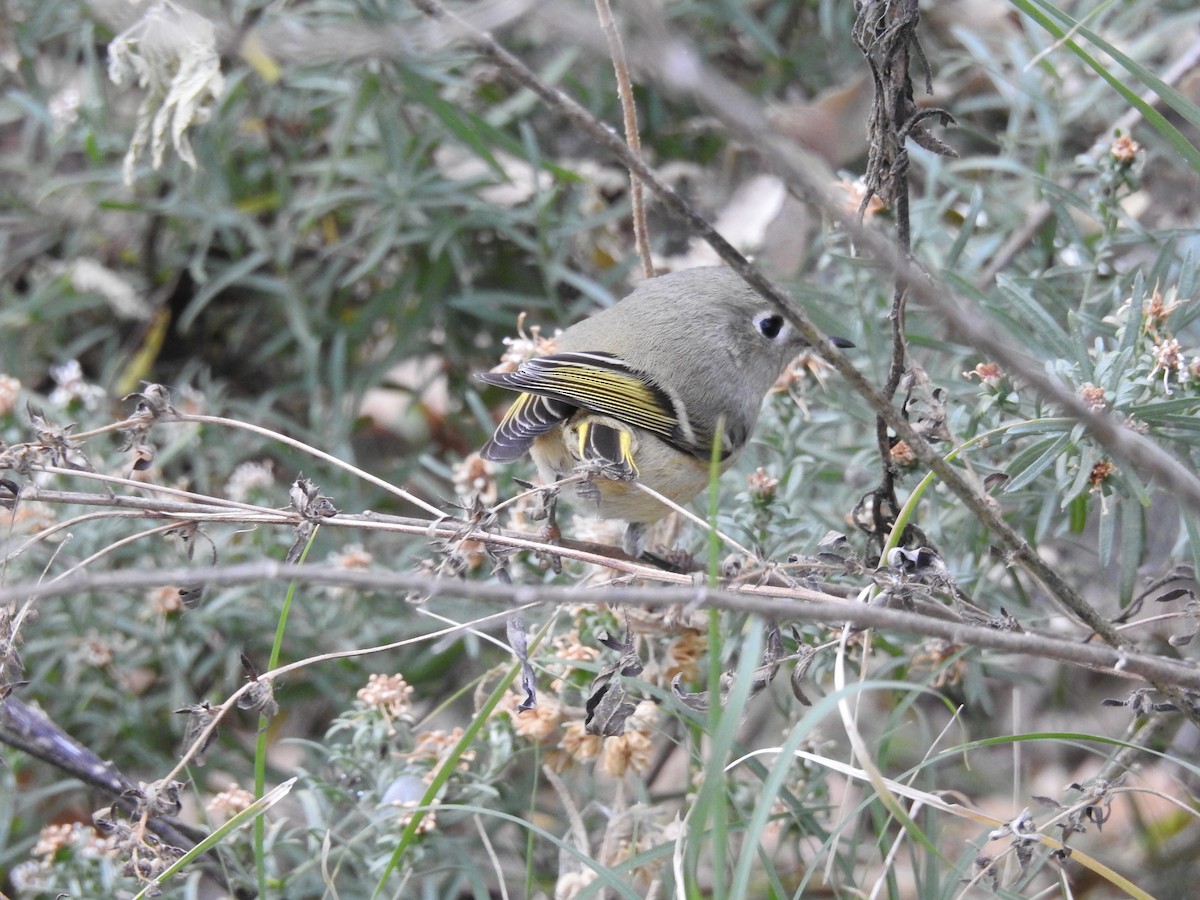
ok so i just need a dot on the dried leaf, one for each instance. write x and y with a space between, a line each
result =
996 480
609 706
697 700
143 457
806 656
1173 595
172 53
261 695
519 641
200 716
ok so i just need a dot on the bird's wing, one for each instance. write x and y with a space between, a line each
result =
555 386
527 419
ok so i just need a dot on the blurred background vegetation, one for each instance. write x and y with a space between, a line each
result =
371 207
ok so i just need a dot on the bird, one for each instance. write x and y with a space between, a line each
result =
644 390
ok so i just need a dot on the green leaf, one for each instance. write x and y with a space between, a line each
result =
1033 461
1077 511
1171 134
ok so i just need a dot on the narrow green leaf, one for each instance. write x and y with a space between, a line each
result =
1033 461
1077 511
1133 540
1169 132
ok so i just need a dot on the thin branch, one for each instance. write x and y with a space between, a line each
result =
800 605
637 202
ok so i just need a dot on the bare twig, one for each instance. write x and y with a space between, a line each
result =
637 202
885 33
799 605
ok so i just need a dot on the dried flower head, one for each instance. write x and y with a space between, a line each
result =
475 477
570 648
577 744
944 658
172 53
855 191
537 724
1168 358
762 485
632 751
250 478
525 346
808 363
390 694
1124 149
71 387
1157 308
230 802
435 746
352 556
988 373
902 455
1094 397
685 655
162 602
10 391
1100 472
54 838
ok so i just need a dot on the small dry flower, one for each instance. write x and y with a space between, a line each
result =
64 107
799 369
685 655
72 388
1156 309
939 655
536 724
1168 358
250 478
762 485
1124 149
629 847
475 477
902 455
390 694
162 602
95 651
578 744
571 884
428 821
352 556
855 190
525 346
10 391
53 838
436 745
632 751
1100 472
570 648
988 373
230 802
594 530
1094 397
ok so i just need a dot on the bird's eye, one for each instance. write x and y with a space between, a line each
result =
770 326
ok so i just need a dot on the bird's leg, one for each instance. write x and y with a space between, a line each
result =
551 533
634 542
